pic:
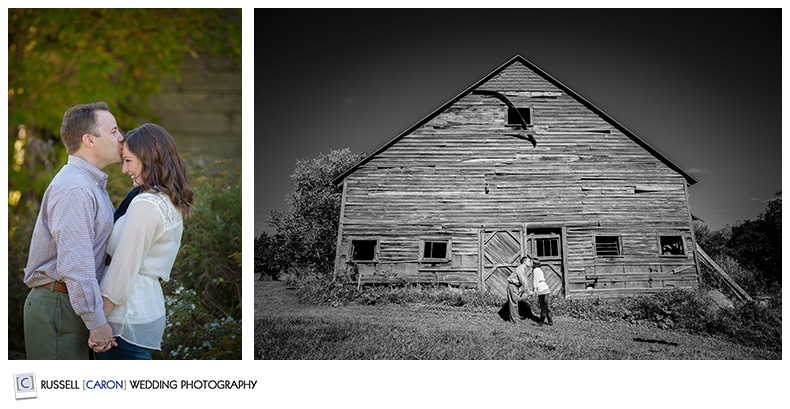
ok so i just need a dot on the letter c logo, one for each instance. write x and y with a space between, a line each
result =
22 383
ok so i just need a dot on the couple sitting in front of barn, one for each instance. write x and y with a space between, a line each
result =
519 288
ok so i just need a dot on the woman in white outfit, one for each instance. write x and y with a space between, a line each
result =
542 289
144 242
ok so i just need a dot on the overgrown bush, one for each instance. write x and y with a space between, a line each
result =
756 324
318 288
438 294
306 233
21 225
751 282
194 333
600 309
686 309
210 257
205 293
753 244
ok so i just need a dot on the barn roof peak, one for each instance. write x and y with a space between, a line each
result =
518 58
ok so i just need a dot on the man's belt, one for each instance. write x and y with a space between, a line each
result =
58 286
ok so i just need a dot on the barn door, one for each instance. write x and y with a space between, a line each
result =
546 245
501 249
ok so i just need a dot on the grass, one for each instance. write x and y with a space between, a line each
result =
452 324
754 324
363 340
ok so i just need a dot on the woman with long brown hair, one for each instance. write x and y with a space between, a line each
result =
144 242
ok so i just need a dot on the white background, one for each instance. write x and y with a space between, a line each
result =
407 384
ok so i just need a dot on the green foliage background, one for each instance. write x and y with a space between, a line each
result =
61 57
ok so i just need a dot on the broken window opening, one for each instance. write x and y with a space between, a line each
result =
608 246
435 250
364 250
521 117
516 115
671 246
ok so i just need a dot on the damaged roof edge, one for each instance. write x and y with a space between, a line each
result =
518 58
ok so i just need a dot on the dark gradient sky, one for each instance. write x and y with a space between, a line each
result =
704 87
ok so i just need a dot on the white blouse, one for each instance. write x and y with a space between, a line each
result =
539 281
143 245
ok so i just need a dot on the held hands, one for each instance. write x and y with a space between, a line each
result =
522 295
101 339
102 348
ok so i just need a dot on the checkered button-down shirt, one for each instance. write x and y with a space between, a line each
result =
70 237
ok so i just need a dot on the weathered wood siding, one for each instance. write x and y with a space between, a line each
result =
464 169
202 110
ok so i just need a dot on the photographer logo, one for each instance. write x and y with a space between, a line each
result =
25 385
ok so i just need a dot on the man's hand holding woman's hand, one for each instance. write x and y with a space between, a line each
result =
101 339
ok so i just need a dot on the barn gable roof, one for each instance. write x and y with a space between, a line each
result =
518 58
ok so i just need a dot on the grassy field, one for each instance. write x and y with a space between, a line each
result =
288 330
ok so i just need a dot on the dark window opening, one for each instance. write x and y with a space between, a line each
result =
607 246
672 246
435 250
363 250
549 247
513 116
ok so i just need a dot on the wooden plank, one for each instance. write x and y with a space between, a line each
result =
680 269
690 219
449 269
376 279
340 230
739 292
615 292
480 247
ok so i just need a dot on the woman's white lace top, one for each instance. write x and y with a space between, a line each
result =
144 244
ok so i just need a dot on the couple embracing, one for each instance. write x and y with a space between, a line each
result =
518 286
94 271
